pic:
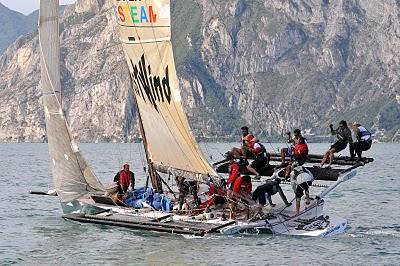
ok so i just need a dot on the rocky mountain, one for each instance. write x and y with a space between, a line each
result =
14 24
273 65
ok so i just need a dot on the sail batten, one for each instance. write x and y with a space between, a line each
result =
146 41
72 176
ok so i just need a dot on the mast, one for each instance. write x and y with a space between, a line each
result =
152 174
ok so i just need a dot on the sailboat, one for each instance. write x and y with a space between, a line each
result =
145 34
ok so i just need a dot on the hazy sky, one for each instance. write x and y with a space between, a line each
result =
27 6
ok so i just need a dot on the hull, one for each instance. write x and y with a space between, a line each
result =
310 222
326 228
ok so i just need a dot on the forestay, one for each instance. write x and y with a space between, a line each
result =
145 32
72 176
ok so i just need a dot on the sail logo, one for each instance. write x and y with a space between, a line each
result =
151 88
134 13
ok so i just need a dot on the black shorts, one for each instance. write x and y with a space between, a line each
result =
362 145
259 163
339 146
259 194
302 187
300 159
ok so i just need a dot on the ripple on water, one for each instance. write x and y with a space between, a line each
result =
33 231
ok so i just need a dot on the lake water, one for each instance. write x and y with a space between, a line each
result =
32 231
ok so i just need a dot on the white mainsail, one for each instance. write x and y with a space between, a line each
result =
145 31
72 176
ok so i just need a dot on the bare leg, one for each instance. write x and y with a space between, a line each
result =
252 170
307 197
331 154
298 205
283 154
325 158
232 214
288 171
236 152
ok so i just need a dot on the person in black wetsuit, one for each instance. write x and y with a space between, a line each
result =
265 191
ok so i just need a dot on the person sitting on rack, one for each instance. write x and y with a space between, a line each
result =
233 171
343 135
301 179
290 145
125 179
300 153
364 139
261 158
187 187
265 191
246 139
241 193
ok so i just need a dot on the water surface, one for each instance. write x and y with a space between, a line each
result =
33 232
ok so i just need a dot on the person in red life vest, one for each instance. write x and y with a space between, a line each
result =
125 179
247 144
233 171
289 150
300 153
261 158
241 192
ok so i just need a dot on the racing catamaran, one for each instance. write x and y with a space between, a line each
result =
145 34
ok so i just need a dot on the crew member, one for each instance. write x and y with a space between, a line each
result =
364 139
265 191
241 192
300 153
125 179
261 158
343 135
185 188
301 179
246 140
290 144
233 171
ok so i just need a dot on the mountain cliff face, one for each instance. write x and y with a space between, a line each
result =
14 24
273 65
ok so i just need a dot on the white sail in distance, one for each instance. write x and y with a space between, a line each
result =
145 34
72 176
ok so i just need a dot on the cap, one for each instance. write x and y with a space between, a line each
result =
356 124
